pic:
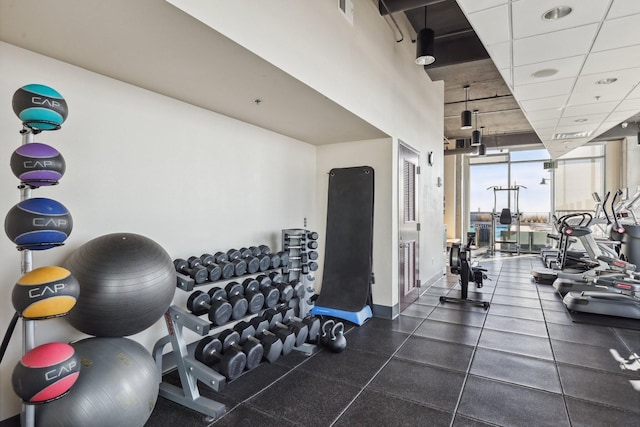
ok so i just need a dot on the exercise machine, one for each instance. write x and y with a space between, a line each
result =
506 217
460 263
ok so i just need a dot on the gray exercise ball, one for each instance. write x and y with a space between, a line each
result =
127 282
118 386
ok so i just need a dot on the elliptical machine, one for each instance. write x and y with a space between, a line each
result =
460 263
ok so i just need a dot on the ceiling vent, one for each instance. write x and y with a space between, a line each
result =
572 135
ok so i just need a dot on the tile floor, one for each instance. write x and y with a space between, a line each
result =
524 362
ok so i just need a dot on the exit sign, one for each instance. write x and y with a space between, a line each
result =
550 165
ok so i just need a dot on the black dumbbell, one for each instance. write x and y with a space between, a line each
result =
312 244
277 281
299 329
262 329
255 251
274 260
253 262
229 363
271 294
284 258
265 261
312 235
253 295
219 311
266 250
218 257
272 345
305 257
215 271
252 349
196 271
313 323
239 305
239 264
298 288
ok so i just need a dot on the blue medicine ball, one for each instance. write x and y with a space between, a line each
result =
38 224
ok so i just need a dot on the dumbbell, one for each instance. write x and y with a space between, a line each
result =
312 244
271 294
284 258
253 295
219 310
304 268
313 323
239 304
253 263
274 260
264 260
272 346
215 271
255 251
299 329
266 250
287 337
312 235
305 257
252 349
229 363
239 264
196 271
228 269
277 281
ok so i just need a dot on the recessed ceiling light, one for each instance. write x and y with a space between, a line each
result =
556 13
547 72
580 120
607 81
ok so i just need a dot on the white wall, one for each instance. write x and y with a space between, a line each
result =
190 179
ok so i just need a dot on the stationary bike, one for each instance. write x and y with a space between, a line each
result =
460 264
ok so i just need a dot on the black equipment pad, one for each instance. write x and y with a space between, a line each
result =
346 278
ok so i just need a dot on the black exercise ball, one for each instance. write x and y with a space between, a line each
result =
127 282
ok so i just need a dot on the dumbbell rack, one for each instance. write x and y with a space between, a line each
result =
294 241
182 358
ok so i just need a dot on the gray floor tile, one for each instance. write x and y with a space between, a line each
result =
374 408
461 317
588 414
436 353
340 366
517 369
406 324
584 334
417 310
435 387
461 421
525 293
558 317
245 415
599 387
317 405
520 312
527 345
368 339
516 301
553 305
588 356
449 332
520 326
511 405
630 338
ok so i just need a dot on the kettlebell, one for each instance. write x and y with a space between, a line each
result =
325 333
337 342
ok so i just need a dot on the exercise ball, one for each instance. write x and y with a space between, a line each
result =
38 224
37 164
127 282
40 107
44 293
46 372
118 386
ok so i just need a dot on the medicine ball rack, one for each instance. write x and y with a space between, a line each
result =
182 357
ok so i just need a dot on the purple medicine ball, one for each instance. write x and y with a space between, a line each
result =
37 164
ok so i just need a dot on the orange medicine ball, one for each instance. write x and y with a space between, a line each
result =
45 292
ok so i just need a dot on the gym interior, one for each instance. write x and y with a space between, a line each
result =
196 127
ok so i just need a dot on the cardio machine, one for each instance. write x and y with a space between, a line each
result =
460 263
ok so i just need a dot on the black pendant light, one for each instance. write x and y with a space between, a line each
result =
425 53
476 137
465 117
482 149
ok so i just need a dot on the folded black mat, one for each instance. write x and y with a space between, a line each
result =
346 277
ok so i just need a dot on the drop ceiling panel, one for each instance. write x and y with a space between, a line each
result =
615 33
588 109
617 59
544 103
556 45
623 8
527 15
591 119
544 89
629 105
501 54
620 116
553 113
567 67
587 90
492 25
543 124
470 6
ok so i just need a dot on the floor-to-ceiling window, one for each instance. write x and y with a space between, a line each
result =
535 183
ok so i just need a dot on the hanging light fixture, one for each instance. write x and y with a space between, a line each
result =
425 53
482 149
465 117
476 137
